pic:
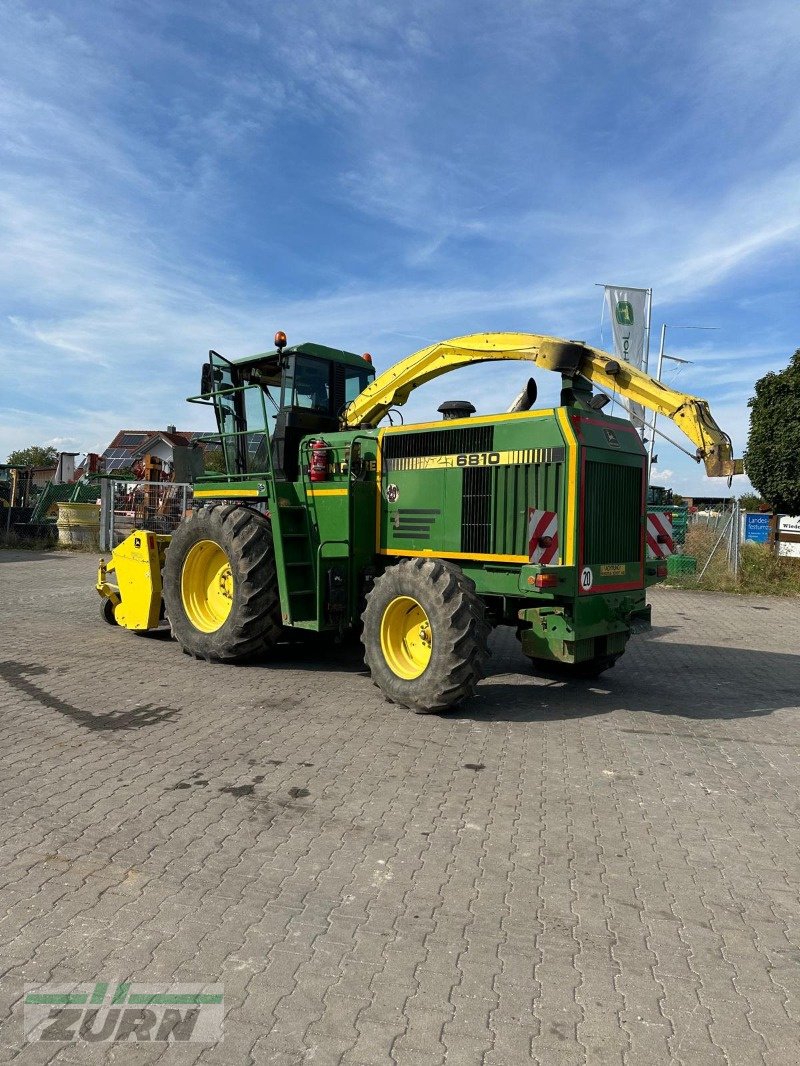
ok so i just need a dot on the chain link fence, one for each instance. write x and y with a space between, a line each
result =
127 505
716 556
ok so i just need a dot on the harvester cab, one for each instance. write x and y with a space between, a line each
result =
427 535
272 401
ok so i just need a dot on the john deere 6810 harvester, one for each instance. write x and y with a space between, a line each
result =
425 536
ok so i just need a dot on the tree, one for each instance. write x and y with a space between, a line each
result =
751 501
36 455
772 459
214 461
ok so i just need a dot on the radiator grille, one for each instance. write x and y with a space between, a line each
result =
476 507
612 522
438 442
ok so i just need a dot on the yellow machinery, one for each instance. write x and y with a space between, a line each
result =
570 358
134 602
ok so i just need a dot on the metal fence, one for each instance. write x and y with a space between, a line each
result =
127 505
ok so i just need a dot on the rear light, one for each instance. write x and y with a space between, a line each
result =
661 570
545 581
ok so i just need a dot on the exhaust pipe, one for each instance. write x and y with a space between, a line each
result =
526 399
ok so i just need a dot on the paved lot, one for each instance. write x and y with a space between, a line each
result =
558 873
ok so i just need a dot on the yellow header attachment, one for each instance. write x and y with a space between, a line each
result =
692 415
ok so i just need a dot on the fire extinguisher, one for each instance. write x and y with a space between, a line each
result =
318 468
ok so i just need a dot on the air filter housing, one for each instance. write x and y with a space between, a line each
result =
451 409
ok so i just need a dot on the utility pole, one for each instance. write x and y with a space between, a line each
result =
662 355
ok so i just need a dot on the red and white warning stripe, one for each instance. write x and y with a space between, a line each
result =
660 544
542 535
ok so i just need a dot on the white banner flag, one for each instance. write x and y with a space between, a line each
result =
627 310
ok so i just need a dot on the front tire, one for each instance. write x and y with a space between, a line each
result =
220 584
425 635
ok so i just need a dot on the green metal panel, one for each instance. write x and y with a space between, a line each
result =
514 491
467 489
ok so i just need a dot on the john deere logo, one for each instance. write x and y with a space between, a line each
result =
624 313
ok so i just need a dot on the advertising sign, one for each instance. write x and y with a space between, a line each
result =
628 313
756 527
789 536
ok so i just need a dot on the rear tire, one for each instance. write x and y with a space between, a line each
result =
221 585
425 635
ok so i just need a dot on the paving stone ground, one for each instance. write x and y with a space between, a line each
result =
555 873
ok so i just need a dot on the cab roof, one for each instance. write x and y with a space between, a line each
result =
321 351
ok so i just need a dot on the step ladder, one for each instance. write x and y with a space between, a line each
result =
297 577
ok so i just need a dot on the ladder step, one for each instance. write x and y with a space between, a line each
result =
304 563
302 592
295 536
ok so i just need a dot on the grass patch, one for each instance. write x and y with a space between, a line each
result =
13 541
762 572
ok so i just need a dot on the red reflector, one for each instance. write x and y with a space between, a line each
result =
661 570
545 581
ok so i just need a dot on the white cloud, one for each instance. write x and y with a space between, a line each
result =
118 184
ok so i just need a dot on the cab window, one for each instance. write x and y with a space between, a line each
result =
312 384
355 382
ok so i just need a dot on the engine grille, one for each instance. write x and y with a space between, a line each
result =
437 442
612 518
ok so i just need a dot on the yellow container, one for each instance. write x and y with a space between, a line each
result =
78 523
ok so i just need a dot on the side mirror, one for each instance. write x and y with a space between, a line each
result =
207 379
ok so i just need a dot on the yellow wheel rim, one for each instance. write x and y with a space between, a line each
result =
207 586
406 638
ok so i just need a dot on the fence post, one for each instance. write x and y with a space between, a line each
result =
104 515
735 539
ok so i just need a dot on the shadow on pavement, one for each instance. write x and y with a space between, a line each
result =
19 676
741 684
11 555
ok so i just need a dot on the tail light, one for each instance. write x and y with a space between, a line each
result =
661 570
545 581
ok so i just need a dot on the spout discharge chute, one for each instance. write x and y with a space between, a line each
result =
570 359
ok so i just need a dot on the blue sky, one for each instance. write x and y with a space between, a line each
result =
377 176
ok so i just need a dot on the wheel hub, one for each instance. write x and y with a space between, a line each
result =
406 637
207 586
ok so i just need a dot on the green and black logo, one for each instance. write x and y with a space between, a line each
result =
624 313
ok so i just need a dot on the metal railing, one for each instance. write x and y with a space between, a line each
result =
127 505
